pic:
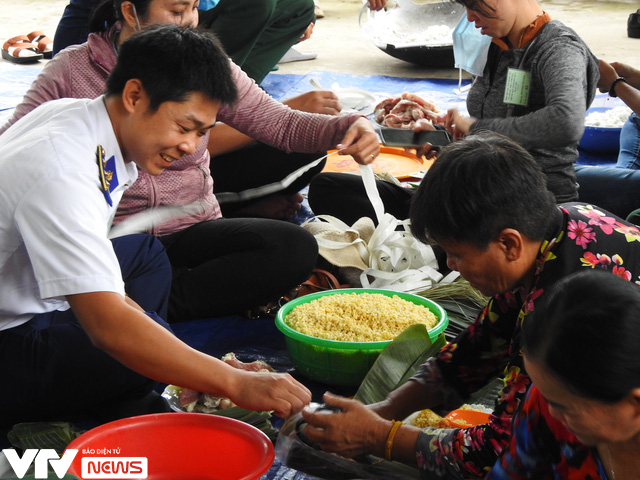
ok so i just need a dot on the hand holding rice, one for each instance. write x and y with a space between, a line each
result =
358 317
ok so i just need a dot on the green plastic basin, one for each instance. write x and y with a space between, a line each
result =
343 363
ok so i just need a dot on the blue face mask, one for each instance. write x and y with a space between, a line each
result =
207 4
470 47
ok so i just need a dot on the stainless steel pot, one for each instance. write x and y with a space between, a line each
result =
418 33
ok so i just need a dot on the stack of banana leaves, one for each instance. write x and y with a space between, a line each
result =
461 301
40 435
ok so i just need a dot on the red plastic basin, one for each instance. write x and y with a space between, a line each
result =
185 446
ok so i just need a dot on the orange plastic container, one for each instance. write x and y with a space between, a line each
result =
472 417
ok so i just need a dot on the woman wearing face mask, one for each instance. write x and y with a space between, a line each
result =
539 79
254 33
581 417
221 265
537 83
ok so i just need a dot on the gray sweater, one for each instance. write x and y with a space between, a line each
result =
564 76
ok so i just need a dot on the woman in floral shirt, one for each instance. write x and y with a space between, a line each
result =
581 417
485 203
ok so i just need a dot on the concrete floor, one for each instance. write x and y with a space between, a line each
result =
342 47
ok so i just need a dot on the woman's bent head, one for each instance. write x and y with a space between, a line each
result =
581 351
586 332
478 187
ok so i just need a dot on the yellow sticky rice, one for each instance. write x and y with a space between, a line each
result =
358 317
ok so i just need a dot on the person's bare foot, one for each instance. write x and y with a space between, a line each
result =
278 206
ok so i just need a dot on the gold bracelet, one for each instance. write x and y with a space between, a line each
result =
392 433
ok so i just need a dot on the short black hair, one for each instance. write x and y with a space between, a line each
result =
477 187
172 62
479 6
586 332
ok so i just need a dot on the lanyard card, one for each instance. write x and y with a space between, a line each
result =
517 88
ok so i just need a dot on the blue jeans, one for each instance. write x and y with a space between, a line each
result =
629 155
614 189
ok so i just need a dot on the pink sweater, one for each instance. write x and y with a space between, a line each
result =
81 71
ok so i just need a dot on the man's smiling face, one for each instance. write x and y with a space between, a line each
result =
155 139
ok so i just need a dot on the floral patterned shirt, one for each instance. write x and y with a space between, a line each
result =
542 448
578 236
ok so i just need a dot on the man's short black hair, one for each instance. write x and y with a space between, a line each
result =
172 62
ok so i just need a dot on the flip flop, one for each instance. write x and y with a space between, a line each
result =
20 50
44 43
294 55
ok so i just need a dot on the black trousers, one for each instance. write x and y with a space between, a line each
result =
230 265
616 190
343 196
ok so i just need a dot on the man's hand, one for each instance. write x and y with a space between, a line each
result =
427 150
632 75
120 329
269 391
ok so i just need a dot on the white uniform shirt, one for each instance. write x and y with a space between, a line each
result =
54 215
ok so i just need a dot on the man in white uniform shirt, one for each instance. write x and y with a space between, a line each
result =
71 341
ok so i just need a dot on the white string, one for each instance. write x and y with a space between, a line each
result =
145 220
369 181
263 190
395 259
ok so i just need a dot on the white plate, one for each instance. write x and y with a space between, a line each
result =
353 100
356 100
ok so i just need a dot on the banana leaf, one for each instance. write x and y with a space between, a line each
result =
260 420
397 362
460 317
461 301
39 435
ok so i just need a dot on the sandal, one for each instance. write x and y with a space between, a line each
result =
43 43
20 50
